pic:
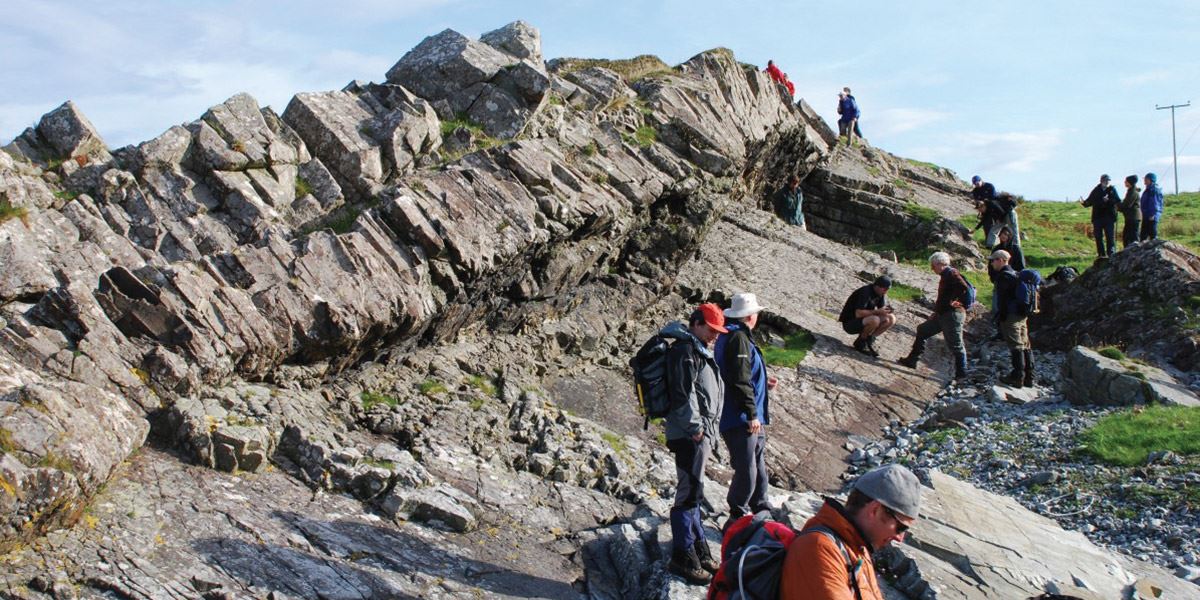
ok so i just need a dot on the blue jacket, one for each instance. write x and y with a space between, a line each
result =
745 375
1152 202
848 108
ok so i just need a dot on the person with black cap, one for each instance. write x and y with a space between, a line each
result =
1104 202
696 393
867 314
1132 210
830 559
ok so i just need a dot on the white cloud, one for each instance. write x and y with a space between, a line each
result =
1184 161
1139 79
1016 151
891 121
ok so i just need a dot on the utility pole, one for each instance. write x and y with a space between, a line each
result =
1174 154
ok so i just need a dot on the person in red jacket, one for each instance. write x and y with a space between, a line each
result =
772 70
830 559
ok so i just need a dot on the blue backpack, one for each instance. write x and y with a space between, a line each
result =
968 299
1025 302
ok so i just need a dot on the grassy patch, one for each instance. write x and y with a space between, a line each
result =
476 403
373 399
921 163
344 221
66 196
382 464
924 213
645 136
303 187
431 387
1128 437
1111 352
904 293
630 69
901 183
482 383
461 120
7 445
616 442
795 348
8 211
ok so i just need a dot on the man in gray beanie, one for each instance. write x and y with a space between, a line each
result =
831 557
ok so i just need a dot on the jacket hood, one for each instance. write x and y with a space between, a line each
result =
676 330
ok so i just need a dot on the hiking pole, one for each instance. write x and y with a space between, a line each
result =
1174 154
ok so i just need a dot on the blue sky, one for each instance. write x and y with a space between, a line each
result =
1038 97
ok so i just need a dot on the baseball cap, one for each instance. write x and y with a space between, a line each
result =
894 486
883 281
1105 177
712 315
1000 254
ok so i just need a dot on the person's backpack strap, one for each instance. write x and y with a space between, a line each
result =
852 567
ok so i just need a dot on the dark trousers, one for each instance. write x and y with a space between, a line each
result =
1104 232
1149 229
690 458
747 456
1130 234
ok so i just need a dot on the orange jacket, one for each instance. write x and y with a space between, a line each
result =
815 569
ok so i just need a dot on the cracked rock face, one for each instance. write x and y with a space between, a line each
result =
374 366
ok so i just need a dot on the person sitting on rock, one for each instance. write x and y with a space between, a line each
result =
746 412
867 314
1104 202
1012 320
1132 211
830 559
789 202
695 393
949 314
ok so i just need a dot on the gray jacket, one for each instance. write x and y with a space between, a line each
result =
694 386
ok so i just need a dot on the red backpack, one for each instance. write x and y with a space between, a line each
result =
752 552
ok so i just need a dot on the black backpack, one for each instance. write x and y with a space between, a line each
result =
650 377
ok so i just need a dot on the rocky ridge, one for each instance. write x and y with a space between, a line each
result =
326 303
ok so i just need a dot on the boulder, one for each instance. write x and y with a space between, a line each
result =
61 134
333 126
519 39
440 503
1094 379
448 66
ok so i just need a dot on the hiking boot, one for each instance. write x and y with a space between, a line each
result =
687 565
1013 380
860 344
870 346
707 562
910 361
1028 379
1017 376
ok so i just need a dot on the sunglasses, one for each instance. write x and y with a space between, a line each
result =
900 527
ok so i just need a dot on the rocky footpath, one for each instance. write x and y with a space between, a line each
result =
374 346
1024 443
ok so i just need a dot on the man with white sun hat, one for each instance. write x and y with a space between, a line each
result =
745 413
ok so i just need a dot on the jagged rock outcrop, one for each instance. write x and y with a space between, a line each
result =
340 299
864 195
1145 299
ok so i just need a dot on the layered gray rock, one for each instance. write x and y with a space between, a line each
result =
1091 378
64 134
519 39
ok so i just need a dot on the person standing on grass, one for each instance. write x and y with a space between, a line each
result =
1131 209
1017 261
1104 202
747 407
1152 208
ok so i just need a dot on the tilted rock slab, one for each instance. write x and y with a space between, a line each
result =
1094 379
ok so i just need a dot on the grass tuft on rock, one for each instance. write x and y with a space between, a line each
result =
303 187
1111 352
904 293
431 387
795 348
373 399
1128 437
482 383
8 211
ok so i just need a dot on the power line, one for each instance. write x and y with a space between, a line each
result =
1174 153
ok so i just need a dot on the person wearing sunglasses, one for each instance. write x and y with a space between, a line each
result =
830 558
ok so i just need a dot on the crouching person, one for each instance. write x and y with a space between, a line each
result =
695 393
830 558
867 314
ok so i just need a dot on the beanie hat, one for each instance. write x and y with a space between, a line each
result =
1152 177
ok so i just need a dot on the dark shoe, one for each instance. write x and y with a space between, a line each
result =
1013 380
870 346
1017 375
707 562
860 344
910 361
1028 380
687 566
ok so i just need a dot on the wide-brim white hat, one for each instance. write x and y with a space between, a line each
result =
743 305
